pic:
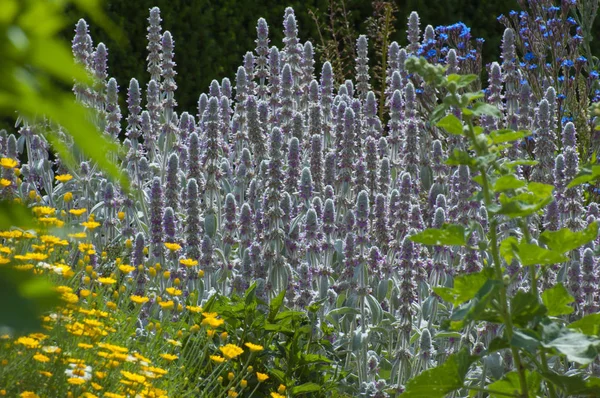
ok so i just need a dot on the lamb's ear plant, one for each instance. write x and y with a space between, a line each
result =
547 354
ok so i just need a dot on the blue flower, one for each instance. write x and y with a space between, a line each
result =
566 120
581 59
567 63
529 56
594 74
513 13
571 21
561 96
431 53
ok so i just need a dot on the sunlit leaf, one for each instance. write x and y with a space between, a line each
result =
557 300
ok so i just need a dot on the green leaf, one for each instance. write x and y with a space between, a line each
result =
534 199
508 247
527 341
275 305
442 380
557 300
481 108
510 384
451 124
525 306
589 324
458 157
531 254
15 215
501 136
586 174
461 80
565 240
448 235
576 346
465 287
305 388
573 385
25 297
508 182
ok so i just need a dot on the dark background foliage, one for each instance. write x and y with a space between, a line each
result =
212 36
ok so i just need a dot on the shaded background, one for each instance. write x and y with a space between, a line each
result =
211 37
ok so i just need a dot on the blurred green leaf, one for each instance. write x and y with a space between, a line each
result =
589 324
508 182
524 307
557 300
448 235
500 136
531 254
465 287
451 124
565 240
15 215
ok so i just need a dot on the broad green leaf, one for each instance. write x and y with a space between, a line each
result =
465 287
448 235
451 124
557 300
587 174
305 388
458 157
531 254
589 324
275 305
565 240
481 108
15 215
508 182
508 247
510 384
501 136
573 385
578 347
534 199
442 380
527 341
25 297
525 306
461 80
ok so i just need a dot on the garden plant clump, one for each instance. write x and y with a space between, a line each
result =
295 237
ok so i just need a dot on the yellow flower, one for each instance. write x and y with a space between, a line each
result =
85 292
90 224
231 351
85 346
194 309
76 381
113 395
133 377
63 177
29 394
254 347
28 342
217 358
41 358
232 393
4 182
188 262
173 291
261 376
169 357
45 373
173 246
78 235
43 210
275 395
77 212
281 389
106 281
8 163
126 268
167 304
213 322
68 197
139 299
121 215
244 383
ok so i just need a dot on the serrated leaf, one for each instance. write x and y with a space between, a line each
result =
510 385
577 347
565 240
557 300
458 157
461 80
451 124
465 288
525 306
442 380
589 324
508 247
501 136
305 388
508 182
531 254
586 174
448 235
482 108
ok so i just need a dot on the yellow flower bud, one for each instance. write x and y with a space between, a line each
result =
179 308
157 266
32 194
121 215
145 250
230 375
128 243
244 383
166 274
152 272
195 328
86 280
281 389
68 197
115 294
224 335
177 282
201 274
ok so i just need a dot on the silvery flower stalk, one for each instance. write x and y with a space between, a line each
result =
545 146
384 176
572 209
192 220
413 33
411 149
249 68
589 278
113 117
168 103
240 116
153 105
293 166
274 81
316 162
211 158
494 97
395 126
154 44
138 260
256 133
305 189
83 48
156 220
362 67
359 182
326 98
286 95
330 169
292 54
347 156
262 50
307 74
372 162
